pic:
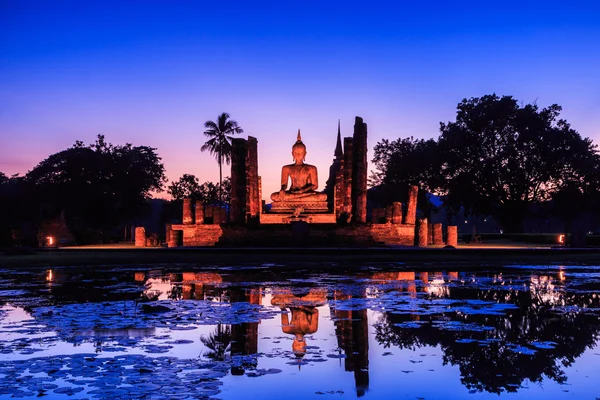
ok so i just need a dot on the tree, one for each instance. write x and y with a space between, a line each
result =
405 162
219 144
188 186
100 185
498 157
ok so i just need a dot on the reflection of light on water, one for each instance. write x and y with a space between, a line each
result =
438 288
158 288
49 276
543 288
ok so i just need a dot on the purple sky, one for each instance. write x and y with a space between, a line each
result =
151 73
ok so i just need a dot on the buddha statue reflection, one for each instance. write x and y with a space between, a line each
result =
304 178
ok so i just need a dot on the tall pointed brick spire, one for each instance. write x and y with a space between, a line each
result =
339 153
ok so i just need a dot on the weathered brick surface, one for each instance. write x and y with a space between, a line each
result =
238 180
452 239
199 212
282 235
411 209
252 190
389 212
176 235
188 212
437 234
348 165
396 212
359 173
423 233
140 236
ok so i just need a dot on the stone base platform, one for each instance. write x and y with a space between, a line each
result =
308 207
280 218
295 235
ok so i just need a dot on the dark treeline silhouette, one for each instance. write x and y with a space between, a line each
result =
498 158
94 190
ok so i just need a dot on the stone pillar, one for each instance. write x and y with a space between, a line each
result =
188 212
175 238
140 236
396 212
199 212
252 191
339 191
209 212
437 234
359 171
411 209
348 165
389 214
260 199
452 239
423 233
377 215
239 152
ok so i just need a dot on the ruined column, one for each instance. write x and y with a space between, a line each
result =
339 191
175 238
199 212
188 212
389 210
423 233
396 212
437 234
237 210
140 236
377 214
452 239
359 171
348 166
252 191
411 209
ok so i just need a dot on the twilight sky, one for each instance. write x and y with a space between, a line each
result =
151 73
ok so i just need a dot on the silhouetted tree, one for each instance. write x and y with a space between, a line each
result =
405 162
188 186
499 157
98 185
219 145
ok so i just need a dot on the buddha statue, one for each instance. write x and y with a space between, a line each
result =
304 179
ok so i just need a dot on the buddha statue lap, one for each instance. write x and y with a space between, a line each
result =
304 183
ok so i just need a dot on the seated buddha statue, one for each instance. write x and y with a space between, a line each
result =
303 177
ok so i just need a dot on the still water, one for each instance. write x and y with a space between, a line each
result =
297 331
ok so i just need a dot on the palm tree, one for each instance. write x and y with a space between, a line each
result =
219 144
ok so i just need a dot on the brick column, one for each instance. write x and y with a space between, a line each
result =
452 239
348 165
238 180
423 233
140 236
359 173
199 212
175 238
188 213
411 209
389 212
339 191
396 212
437 234
252 199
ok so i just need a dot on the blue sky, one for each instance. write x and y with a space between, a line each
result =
151 73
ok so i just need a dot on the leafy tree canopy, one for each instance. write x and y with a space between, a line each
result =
208 192
499 157
101 184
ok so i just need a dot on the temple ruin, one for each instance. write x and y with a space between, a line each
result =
299 214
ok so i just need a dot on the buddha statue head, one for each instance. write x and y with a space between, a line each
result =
299 150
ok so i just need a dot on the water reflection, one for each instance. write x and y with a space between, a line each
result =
500 330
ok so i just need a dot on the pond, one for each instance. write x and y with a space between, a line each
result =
300 331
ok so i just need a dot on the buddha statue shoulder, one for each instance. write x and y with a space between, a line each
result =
303 177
